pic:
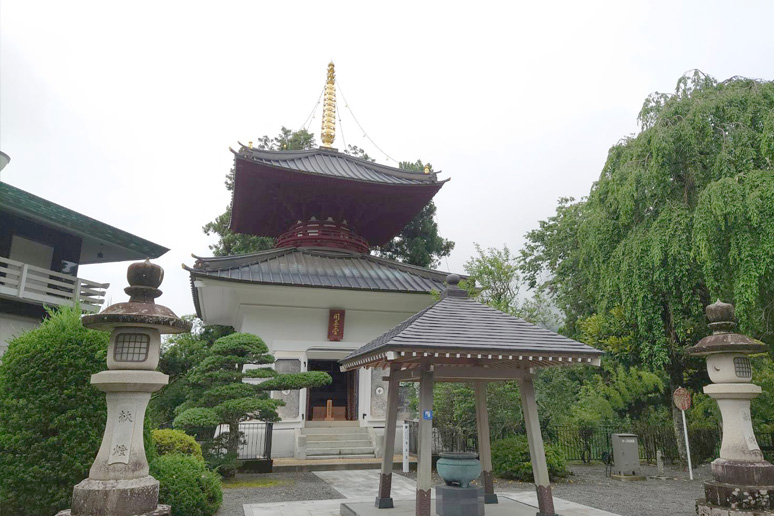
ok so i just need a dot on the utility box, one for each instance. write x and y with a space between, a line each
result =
626 457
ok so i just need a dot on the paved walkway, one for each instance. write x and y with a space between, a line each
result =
362 486
365 484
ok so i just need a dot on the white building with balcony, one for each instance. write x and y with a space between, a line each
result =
42 245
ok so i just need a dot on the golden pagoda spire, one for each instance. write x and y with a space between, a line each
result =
329 109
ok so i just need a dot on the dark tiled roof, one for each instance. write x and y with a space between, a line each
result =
461 324
331 163
325 268
27 205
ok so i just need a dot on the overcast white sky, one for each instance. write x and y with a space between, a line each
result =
124 111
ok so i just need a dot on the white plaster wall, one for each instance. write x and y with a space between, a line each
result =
298 329
283 442
292 332
11 326
293 321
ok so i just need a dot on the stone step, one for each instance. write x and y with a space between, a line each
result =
338 444
327 466
334 431
332 424
316 452
336 437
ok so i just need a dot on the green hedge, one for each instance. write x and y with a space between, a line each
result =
51 418
510 459
168 441
186 485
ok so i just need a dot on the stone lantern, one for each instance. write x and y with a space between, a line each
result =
743 482
119 483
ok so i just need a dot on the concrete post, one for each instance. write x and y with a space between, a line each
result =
484 445
536 450
383 498
425 442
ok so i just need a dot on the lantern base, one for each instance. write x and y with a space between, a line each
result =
137 497
161 510
743 473
707 509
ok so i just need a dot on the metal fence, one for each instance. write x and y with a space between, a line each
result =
593 443
254 440
444 439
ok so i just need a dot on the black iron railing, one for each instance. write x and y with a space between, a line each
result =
254 440
593 443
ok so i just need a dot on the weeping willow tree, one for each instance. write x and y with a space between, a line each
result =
682 213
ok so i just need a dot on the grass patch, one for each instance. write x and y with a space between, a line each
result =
242 483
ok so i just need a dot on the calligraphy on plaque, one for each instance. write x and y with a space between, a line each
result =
123 431
336 325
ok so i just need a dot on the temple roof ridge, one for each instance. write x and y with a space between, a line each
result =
335 163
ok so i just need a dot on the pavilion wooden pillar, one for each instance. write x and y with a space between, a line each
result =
537 452
383 499
425 442
484 444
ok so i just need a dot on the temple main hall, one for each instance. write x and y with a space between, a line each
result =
320 294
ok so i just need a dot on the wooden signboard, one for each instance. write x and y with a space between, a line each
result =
336 325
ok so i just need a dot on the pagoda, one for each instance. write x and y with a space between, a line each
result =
324 198
319 294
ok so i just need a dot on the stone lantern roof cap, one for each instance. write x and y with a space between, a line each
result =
141 310
723 340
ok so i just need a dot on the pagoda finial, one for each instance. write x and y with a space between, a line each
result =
329 109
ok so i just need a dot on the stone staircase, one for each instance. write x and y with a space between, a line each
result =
336 440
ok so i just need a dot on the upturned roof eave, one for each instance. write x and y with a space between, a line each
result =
421 178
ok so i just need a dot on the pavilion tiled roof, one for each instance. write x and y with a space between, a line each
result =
328 162
457 325
323 268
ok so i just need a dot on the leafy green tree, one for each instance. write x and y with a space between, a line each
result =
417 244
51 418
217 388
682 213
230 243
179 354
493 279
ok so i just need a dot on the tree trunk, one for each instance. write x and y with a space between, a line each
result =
233 439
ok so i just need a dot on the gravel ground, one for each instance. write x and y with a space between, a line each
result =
675 495
288 487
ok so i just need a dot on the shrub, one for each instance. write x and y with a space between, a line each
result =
186 485
510 459
51 418
199 422
168 441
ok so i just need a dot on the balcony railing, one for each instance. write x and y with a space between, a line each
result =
45 287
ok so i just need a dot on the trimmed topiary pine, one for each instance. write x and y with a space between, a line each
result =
51 418
217 392
511 460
